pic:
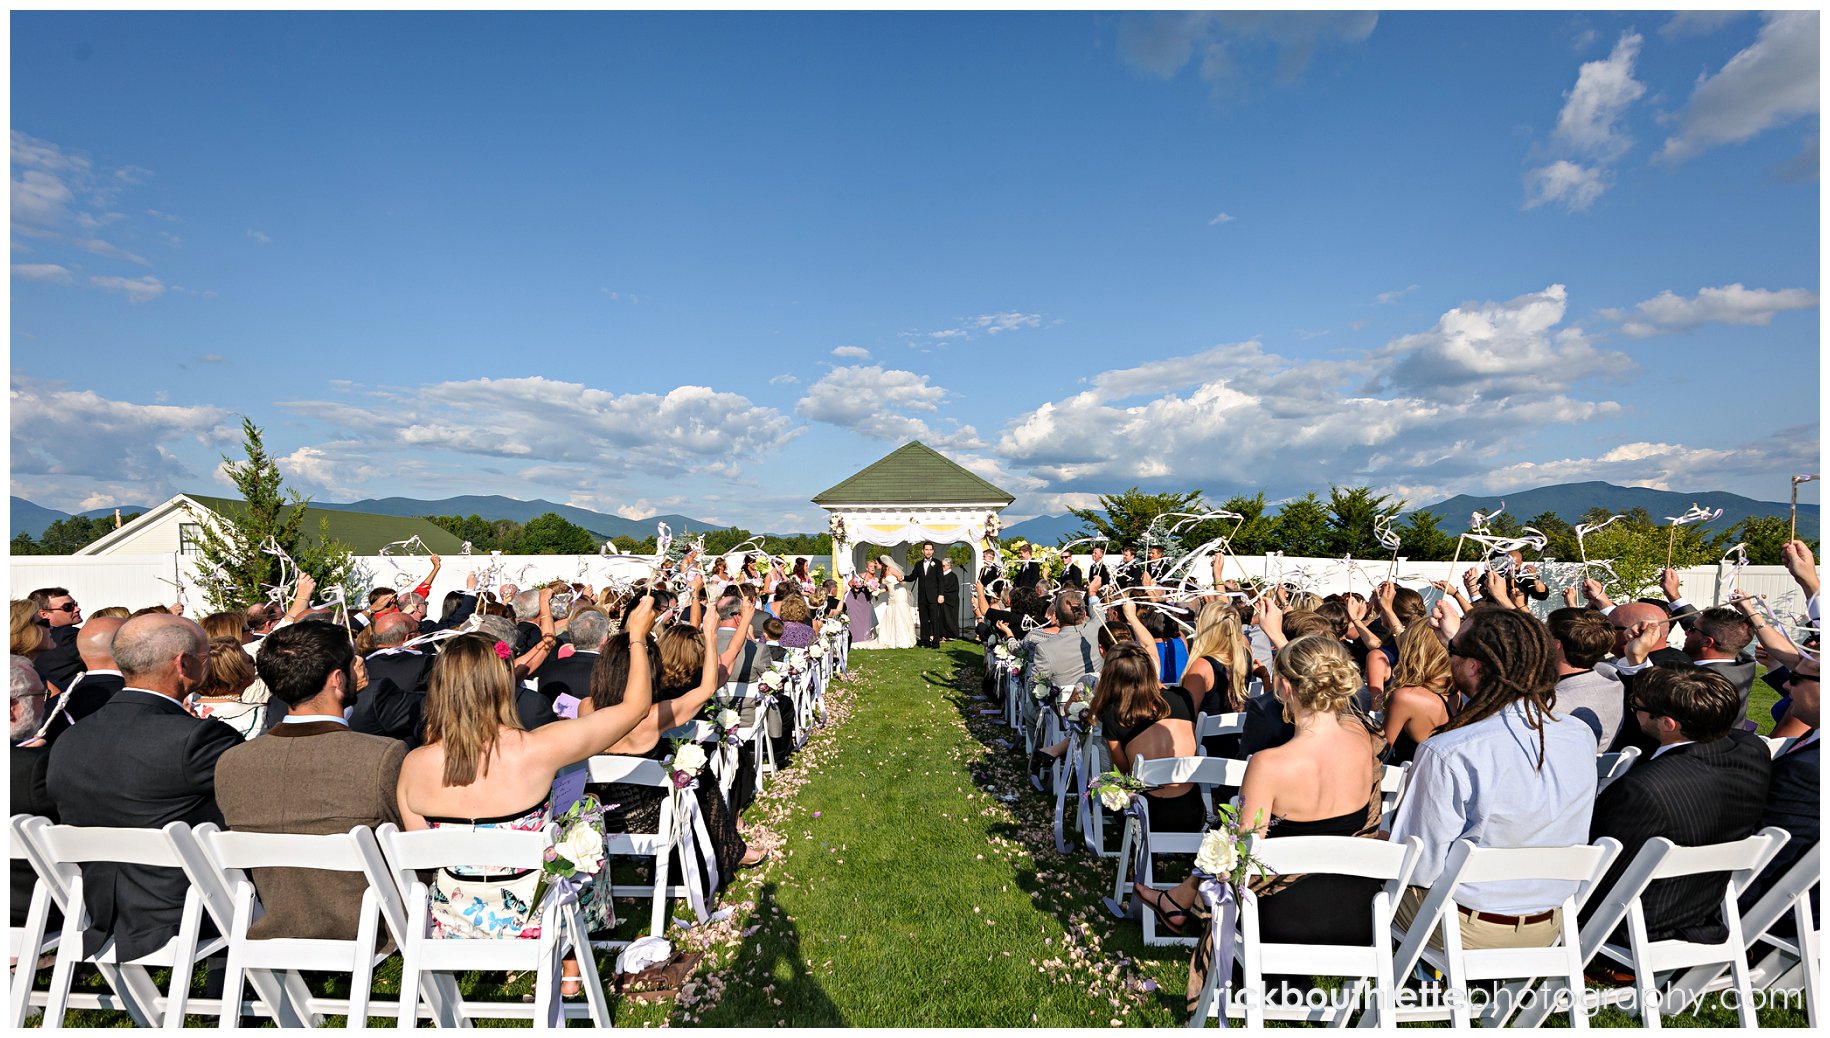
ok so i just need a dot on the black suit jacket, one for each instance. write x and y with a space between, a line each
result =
30 796
139 762
927 579
1100 570
1791 804
1029 575
465 607
1693 795
949 586
571 676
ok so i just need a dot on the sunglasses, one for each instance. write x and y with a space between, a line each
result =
70 608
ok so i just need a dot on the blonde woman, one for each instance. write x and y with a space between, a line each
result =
29 637
1218 667
1323 782
1423 696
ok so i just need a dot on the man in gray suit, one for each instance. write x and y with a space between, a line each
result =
309 775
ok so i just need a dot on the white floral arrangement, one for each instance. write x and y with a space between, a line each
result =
1077 710
1223 854
831 627
817 650
1114 789
687 761
772 679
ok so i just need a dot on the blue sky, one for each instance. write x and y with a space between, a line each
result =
713 263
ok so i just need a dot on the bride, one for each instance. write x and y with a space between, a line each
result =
895 605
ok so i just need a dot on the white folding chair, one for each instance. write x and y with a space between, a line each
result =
1580 866
62 850
1661 859
1146 844
738 695
28 942
234 854
562 926
660 845
1209 725
1392 779
1610 766
1328 855
1791 963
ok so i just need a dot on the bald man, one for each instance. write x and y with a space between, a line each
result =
95 685
141 761
1651 623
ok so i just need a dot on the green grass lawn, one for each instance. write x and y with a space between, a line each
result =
915 883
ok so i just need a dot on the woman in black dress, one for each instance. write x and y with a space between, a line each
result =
1140 716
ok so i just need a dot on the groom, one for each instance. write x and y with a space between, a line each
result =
927 591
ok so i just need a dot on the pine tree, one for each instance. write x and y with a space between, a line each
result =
237 571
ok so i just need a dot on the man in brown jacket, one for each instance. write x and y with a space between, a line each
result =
312 776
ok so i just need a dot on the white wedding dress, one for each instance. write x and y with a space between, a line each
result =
895 606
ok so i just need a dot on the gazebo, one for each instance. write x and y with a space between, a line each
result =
910 495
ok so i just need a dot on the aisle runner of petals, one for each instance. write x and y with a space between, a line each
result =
1069 887
774 812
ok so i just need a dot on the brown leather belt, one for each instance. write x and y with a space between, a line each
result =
1509 920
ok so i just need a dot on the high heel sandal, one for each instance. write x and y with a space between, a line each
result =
1175 920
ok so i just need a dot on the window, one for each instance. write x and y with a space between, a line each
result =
190 539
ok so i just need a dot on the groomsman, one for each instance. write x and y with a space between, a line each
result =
989 571
1029 572
1098 570
1157 564
1130 569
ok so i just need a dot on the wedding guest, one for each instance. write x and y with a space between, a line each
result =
1140 716
480 768
310 775
797 622
1029 571
141 740
1423 697
1706 783
230 672
59 662
1505 772
1218 669
1585 689
30 759
1792 799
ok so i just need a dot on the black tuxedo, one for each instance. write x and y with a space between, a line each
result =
393 703
927 598
1131 574
1029 574
1692 795
949 610
59 664
1792 805
82 697
1101 571
139 762
988 576
30 796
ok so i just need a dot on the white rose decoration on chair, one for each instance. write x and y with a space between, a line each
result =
728 719
1114 798
583 846
1219 853
688 759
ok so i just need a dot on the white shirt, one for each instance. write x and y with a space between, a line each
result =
1668 746
313 718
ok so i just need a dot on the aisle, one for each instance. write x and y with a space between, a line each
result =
911 898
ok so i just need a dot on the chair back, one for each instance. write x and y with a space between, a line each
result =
1610 766
1583 863
1775 747
1339 856
1204 771
1744 857
1209 725
428 849
634 771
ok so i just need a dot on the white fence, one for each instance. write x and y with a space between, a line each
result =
134 581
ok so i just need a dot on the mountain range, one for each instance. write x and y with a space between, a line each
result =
1569 500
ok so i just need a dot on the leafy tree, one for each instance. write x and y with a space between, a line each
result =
506 535
67 536
1420 538
1129 514
554 534
1559 536
1301 527
1351 511
237 571
1764 536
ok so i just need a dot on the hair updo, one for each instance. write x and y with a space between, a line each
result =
1321 674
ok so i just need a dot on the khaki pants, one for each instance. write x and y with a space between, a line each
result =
1481 933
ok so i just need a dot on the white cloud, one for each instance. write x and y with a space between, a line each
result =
1574 186
1009 320
1589 122
1771 82
137 290
259 238
785 380
1670 466
1494 349
53 272
337 468
1162 44
66 438
1729 304
109 250
1396 294
872 401
851 352
1696 23
689 429
1222 218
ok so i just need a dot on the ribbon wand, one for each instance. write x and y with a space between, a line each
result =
1795 481
1696 514
1388 539
1582 531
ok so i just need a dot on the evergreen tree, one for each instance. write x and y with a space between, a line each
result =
1301 528
1421 539
1351 511
1129 514
237 571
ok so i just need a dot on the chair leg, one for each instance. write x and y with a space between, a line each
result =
228 1016
587 968
408 1016
58 998
25 972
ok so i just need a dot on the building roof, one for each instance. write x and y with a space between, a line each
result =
913 473
364 533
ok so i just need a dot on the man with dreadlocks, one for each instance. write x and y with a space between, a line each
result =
1505 772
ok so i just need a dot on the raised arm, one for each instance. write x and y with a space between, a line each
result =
568 741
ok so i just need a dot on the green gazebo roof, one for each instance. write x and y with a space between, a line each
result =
364 533
913 473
